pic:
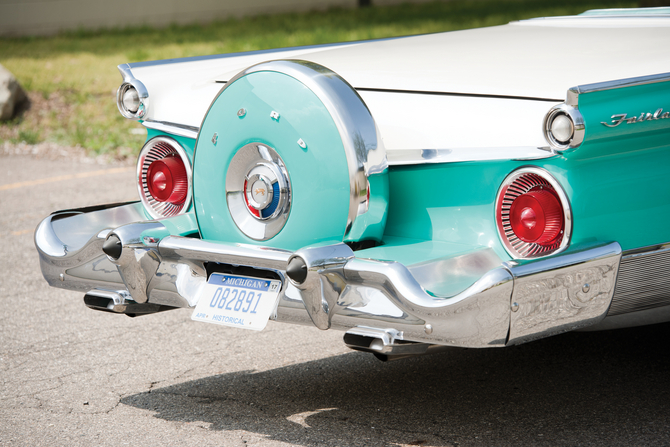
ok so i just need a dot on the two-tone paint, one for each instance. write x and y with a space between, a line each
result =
437 272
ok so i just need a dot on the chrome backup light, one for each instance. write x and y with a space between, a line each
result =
533 214
164 178
564 127
132 99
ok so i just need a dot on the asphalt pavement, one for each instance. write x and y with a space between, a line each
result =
70 376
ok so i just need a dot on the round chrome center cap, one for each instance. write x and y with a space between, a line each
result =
259 191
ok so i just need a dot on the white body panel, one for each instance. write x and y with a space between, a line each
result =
484 90
526 59
416 121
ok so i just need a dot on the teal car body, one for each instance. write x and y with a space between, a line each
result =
426 211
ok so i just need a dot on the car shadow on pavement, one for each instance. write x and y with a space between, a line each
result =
606 388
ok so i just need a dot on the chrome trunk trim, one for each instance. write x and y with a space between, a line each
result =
172 128
402 157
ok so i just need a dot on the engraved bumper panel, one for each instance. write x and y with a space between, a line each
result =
563 293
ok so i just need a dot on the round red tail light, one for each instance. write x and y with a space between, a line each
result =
536 216
167 180
164 177
532 214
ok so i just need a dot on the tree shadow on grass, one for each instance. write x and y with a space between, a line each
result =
606 388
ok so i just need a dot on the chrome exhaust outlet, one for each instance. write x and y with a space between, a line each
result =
119 302
387 344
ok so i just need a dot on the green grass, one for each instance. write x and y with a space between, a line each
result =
72 77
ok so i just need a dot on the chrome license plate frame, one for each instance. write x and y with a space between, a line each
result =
237 301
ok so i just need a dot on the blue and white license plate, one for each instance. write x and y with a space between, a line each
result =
237 301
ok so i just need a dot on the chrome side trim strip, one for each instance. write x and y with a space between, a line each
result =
620 83
601 14
631 13
172 128
400 157
574 92
571 106
643 281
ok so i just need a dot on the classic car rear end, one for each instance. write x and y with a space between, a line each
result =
475 188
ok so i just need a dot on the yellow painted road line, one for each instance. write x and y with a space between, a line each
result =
61 178
19 233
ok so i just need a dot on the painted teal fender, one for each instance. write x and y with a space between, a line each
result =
616 181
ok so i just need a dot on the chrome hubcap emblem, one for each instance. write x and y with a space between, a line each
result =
262 191
258 191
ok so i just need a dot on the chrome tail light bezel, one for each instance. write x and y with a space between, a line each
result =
515 184
156 149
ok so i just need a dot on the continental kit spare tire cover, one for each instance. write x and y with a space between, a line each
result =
288 155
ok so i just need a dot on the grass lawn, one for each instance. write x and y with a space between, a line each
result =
72 78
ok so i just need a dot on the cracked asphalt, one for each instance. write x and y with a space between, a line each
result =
70 376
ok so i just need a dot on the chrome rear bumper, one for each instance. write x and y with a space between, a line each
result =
511 303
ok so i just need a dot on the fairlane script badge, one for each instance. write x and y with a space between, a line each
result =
644 116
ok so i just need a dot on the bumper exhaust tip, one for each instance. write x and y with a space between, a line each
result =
112 247
297 270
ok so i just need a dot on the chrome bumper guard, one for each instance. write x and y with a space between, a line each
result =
328 286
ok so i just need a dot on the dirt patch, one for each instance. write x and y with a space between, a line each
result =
53 151
42 122
35 113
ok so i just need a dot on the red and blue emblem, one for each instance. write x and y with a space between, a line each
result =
259 201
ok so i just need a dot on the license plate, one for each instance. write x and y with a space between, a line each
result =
237 301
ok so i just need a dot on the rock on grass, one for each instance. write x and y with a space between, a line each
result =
11 94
